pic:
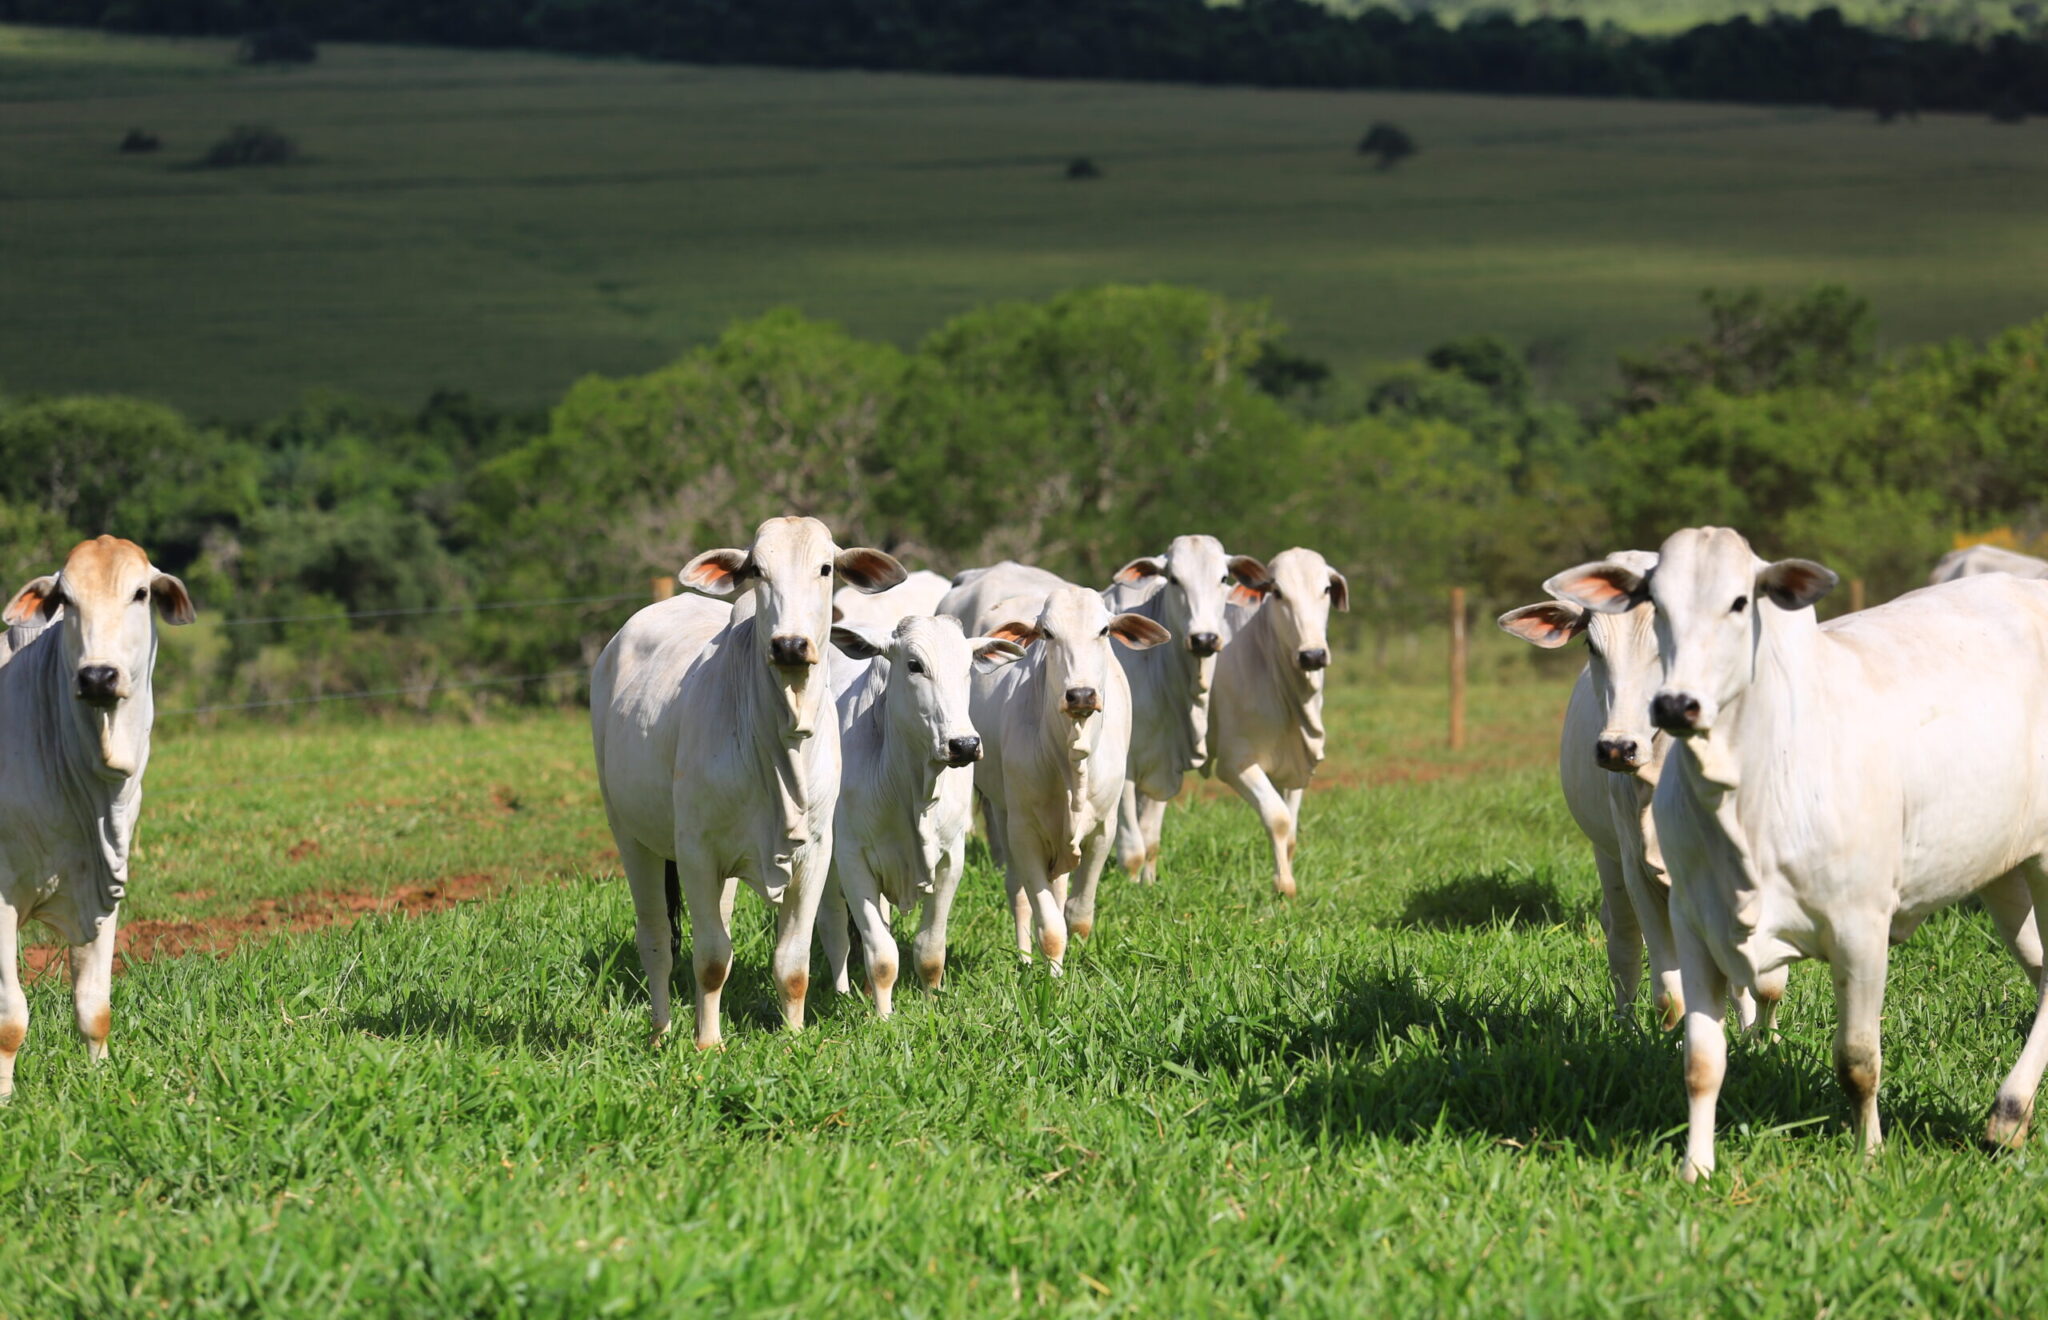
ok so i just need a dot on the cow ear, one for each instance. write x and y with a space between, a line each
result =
1016 632
1254 580
716 572
38 599
868 570
1548 624
860 640
996 650
1340 592
1138 632
1143 567
1602 586
1794 584
172 601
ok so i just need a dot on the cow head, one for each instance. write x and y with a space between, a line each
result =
1197 576
1297 593
1625 664
1711 592
1075 628
789 571
930 662
107 592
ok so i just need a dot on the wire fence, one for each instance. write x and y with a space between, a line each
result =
415 611
368 694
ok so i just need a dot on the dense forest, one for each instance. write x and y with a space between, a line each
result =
1819 58
1076 433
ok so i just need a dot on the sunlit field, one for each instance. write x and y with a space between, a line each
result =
1402 1094
505 223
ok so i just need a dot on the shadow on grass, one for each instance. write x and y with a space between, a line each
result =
1487 899
1396 1059
424 1014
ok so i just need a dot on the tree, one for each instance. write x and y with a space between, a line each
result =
1389 142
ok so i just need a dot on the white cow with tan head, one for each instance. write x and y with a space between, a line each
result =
76 706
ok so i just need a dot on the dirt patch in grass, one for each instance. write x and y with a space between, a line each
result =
143 941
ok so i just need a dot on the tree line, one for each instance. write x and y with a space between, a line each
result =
1075 433
1818 58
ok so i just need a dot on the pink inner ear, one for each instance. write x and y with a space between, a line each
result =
1595 589
1244 595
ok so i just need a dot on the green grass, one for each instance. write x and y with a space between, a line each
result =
505 222
1400 1095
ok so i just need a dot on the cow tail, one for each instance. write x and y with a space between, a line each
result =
672 891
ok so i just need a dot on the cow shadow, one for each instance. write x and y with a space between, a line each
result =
1392 1059
424 1014
1491 898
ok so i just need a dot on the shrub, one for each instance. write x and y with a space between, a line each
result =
140 140
251 144
1391 143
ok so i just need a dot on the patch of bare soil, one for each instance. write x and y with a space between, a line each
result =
143 941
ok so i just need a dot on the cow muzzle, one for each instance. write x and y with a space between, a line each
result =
1312 658
792 652
1676 712
1081 702
1204 643
99 685
962 751
1621 755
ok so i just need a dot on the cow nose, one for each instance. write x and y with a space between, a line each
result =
1674 712
97 683
963 751
1204 643
1082 702
1313 658
1616 753
789 652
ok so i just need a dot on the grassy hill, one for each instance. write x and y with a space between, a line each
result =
504 223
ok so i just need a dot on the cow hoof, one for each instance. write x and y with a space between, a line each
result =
2007 1129
1053 968
1689 1172
1081 929
715 1043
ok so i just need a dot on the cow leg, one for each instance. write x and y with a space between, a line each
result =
13 1003
878 942
92 984
1651 899
1706 1051
709 897
1294 796
654 932
1044 902
1152 826
834 932
994 824
2013 1110
1130 834
1858 962
795 919
928 948
1770 992
1624 936
1080 909
1253 786
2012 910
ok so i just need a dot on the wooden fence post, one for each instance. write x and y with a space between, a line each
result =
1457 669
1855 594
663 587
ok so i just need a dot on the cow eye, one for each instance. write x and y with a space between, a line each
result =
1741 603
141 594
914 665
1104 632
824 570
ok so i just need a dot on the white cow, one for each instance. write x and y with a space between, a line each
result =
718 755
1019 589
1975 559
919 593
76 704
1266 715
906 793
1184 592
1057 725
1835 787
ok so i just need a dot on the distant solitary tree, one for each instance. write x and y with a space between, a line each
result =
1083 167
1390 142
277 45
251 144
140 139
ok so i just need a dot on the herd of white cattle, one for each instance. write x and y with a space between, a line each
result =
1758 787
828 748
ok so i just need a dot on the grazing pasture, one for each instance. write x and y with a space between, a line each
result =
1402 1093
505 223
